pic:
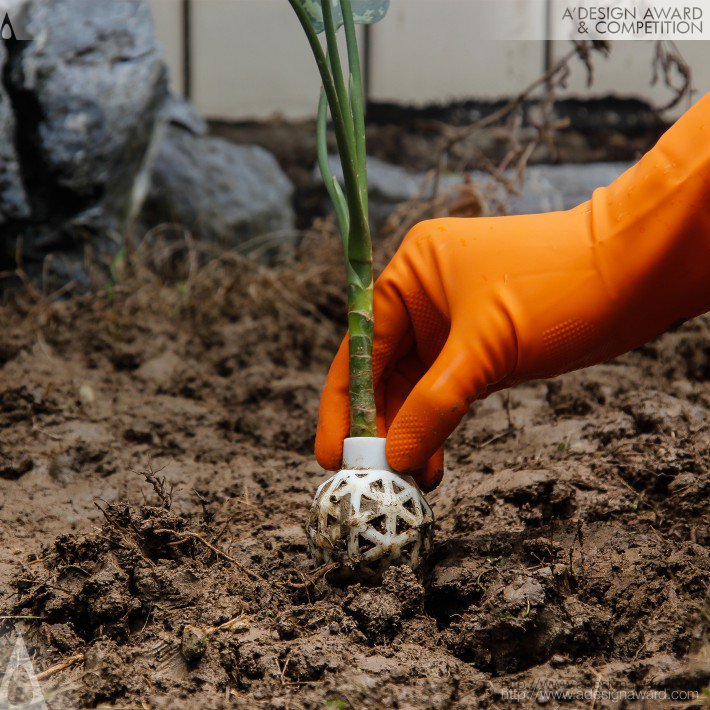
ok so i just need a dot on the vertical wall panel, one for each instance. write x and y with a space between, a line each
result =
167 16
431 50
251 60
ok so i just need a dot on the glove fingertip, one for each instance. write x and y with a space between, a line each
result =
329 454
404 450
333 426
431 476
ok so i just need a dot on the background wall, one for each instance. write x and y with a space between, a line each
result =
248 58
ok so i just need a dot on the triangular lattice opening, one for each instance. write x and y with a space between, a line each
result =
410 506
402 525
378 486
379 523
364 545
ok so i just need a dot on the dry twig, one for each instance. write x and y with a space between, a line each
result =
53 670
162 488
317 574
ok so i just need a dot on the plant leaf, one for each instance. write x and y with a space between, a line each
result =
365 12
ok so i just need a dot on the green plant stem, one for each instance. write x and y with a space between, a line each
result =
356 99
331 183
347 158
346 108
361 323
361 320
336 71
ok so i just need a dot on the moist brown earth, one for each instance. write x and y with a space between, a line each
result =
156 470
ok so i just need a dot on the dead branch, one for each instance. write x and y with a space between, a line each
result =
667 62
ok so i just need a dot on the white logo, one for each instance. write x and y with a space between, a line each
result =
18 665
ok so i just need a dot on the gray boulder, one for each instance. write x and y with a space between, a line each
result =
546 188
560 187
223 193
85 96
92 144
13 200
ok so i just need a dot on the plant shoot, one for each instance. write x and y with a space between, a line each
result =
344 99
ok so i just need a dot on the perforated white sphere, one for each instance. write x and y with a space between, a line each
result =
368 519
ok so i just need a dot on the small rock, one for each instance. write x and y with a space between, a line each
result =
160 370
286 629
86 393
224 193
523 592
193 644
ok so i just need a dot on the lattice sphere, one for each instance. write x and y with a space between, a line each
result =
368 520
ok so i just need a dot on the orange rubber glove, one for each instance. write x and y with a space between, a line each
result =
470 306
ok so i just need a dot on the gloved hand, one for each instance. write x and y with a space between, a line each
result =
470 306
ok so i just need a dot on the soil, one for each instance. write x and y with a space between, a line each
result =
156 471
